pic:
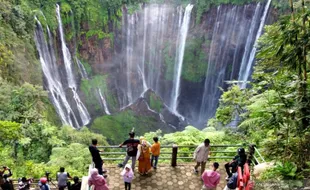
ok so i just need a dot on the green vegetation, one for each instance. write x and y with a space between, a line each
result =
276 116
122 122
90 89
195 60
155 103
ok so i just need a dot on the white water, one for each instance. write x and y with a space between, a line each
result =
65 51
54 85
84 115
181 48
104 102
81 69
144 45
244 76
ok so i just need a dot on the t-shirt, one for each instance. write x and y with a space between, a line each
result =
155 149
62 178
95 154
132 145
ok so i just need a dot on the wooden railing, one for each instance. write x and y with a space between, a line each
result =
182 153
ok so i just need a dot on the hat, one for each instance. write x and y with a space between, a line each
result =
43 180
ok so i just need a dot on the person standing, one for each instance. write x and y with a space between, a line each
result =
211 178
128 175
201 155
132 145
62 178
155 149
143 155
97 180
95 153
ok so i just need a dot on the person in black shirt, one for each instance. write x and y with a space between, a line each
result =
77 184
238 160
132 150
95 153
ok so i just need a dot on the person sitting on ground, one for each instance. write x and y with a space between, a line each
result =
43 184
201 155
6 183
132 145
211 178
238 160
128 175
97 180
233 180
24 184
95 153
155 149
62 178
77 184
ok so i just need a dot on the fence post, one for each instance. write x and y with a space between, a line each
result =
174 155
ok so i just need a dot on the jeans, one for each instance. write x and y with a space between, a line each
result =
156 160
133 161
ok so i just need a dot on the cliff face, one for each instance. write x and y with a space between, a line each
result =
143 51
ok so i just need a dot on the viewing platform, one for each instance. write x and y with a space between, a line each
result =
165 177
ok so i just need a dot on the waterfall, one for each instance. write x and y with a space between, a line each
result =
84 115
65 52
245 72
104 102
82 69
51 74
179 59
229 51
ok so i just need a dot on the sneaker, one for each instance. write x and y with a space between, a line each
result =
154 168
195 171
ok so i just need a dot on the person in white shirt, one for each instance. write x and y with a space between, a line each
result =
201 155
62 178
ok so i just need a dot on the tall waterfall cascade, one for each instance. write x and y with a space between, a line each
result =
229 41
245 72
153 51
179 59
51 74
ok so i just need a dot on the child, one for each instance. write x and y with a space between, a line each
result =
211 178
155 149
127 174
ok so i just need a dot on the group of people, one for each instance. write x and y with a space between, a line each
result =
211 178
135 150
24 183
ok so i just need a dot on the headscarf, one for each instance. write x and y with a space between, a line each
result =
124 170
94 175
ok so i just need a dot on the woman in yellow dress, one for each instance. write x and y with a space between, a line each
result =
143 155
